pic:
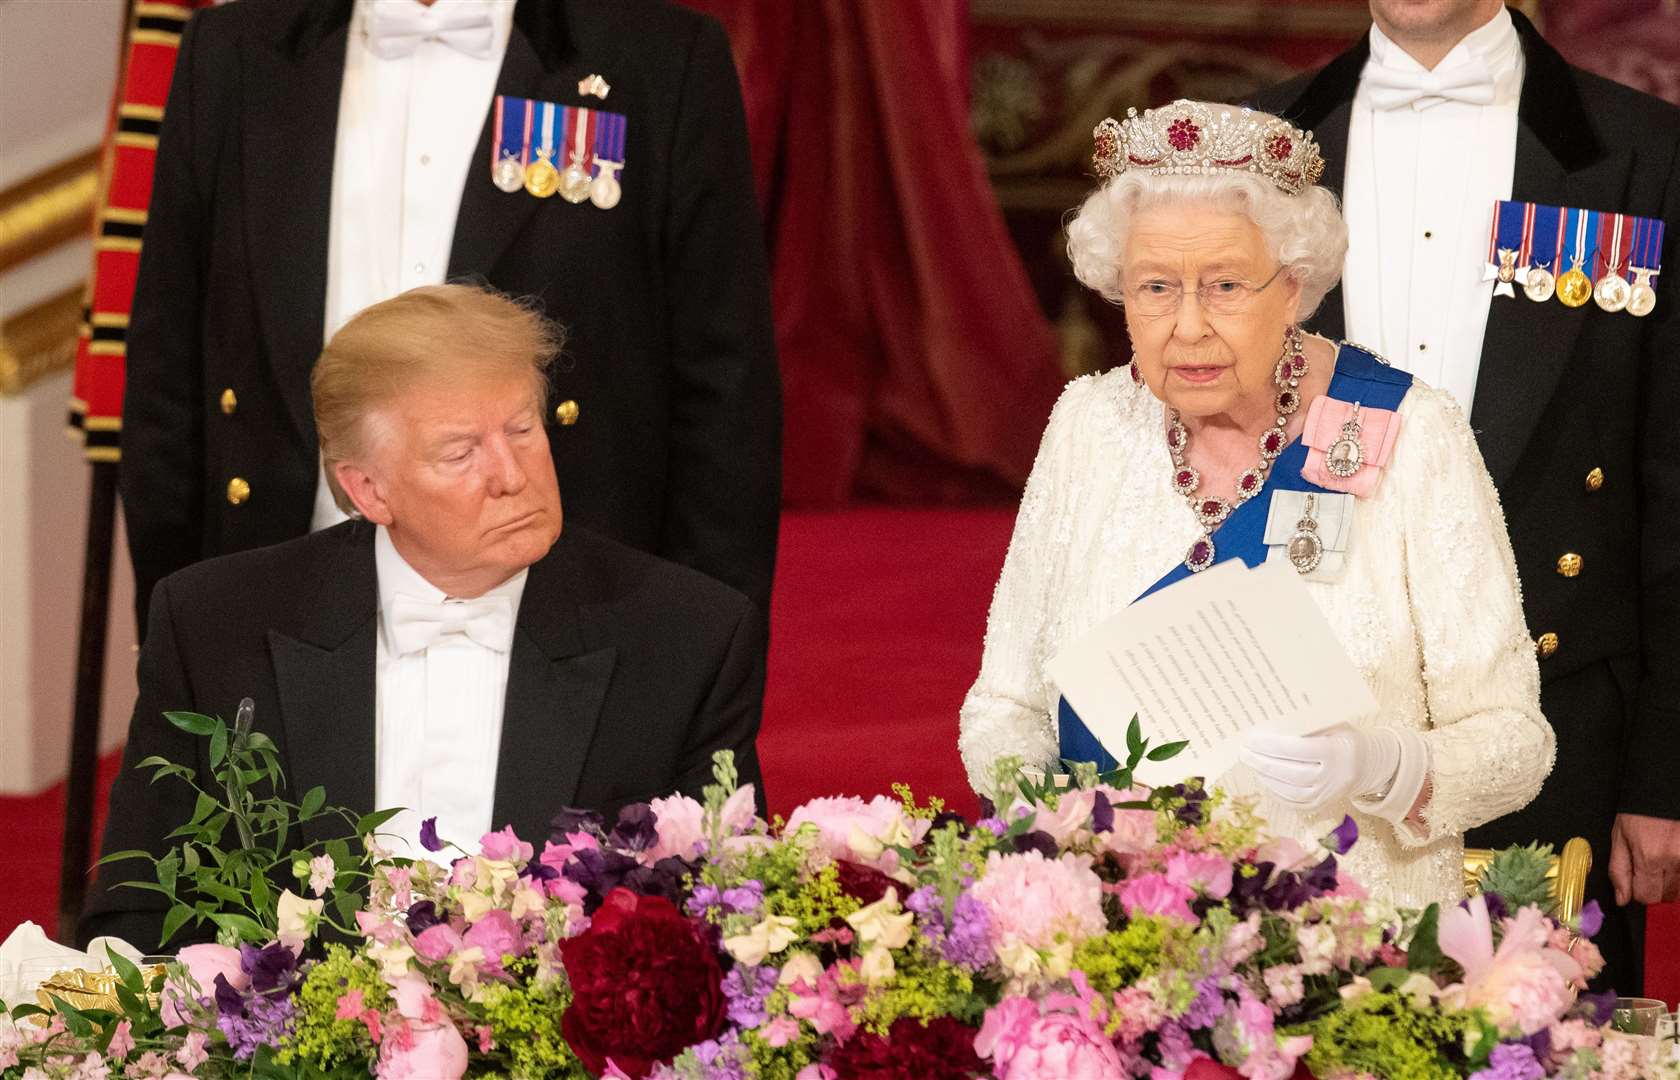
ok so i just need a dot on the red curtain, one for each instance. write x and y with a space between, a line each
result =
916 364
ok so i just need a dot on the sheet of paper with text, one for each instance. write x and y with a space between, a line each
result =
1207 658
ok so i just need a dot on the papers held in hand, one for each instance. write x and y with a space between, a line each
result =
1207 658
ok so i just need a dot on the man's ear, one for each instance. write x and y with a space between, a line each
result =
364 489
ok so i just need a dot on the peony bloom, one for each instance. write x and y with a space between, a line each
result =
1040 903
1155 894
1024 1044
1070 816
849 828
1524 984
203 963
1208 874
432 1052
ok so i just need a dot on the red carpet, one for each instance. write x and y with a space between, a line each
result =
875 637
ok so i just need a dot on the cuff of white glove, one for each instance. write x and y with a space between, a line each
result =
1409 777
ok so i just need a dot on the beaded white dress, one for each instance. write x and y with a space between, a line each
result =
1427 605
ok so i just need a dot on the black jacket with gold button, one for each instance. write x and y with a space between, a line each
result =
1575 412
666 415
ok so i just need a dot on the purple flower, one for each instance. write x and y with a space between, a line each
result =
572 820
422 916
272 967
1511 1061
264 1022
746 988
428 835
229 1002
1039 841
1592 919
1342 837
1207 1007
723 1058
1102 813
968 942
1597 1007
637 828
993 825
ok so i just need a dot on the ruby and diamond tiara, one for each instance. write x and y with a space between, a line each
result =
1194 138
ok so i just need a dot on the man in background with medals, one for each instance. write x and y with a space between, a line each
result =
318 156
1545 317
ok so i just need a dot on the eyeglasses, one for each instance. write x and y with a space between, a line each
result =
1156 297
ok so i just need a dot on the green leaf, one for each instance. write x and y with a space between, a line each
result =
172 922
26 1010
369 822
126 971
1424 953
218 745
189 859
1167 751
75 1021
118 856
1134 736
211 887
259 742
167 868
132 1006
262 897
153 760
313 800
246 927
192 723
1387 978
345 902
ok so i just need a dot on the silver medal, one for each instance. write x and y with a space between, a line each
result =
509 174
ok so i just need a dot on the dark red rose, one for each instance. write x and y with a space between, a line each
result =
942 1049
865 884
645 985
1208 1069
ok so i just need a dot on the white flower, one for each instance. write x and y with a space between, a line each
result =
801 965
877 966
321 871
297 919
771 936
882 923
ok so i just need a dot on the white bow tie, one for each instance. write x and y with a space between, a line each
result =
395 28
415 624
1469 81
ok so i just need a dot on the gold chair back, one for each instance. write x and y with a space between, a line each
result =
1568 873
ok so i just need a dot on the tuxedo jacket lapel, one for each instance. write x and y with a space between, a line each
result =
1559 162
325 678
557 684
533 67
291 89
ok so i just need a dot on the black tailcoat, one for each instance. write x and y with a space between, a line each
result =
626 674
670 356
1563 392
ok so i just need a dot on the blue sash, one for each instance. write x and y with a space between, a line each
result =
1360 376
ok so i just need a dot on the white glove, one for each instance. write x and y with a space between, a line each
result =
1381 770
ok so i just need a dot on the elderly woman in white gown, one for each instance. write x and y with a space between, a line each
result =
1233 435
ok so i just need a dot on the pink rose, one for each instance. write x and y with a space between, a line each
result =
1024 1045
434 1052
1154 894
504 846
1209 875
203 963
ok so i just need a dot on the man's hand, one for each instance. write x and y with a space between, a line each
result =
1645 859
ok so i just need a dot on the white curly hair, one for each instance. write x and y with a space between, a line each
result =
1305 232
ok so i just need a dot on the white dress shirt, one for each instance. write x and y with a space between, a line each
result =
408 129
1421 182
439 716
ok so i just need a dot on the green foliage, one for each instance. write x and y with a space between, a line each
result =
778 1063
1381 1034
923 987
816 904
1519 876
236 843
321 1040
1008 779
526 1020
1119 958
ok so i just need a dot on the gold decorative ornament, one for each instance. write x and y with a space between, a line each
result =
230 402
1595 479
1569 564
566 413
1193 138
1546 646
238 490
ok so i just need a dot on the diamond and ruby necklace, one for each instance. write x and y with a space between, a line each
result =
1212 511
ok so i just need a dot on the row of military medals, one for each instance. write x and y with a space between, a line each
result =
1531 243
532 134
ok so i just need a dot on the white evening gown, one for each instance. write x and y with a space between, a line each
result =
1427 606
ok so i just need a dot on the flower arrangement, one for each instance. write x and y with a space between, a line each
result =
1093 930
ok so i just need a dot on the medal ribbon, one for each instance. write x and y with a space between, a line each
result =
1582 224
1612 256
1525 258
1548 237
577 135
513 130
1647 253
1509 219
609 138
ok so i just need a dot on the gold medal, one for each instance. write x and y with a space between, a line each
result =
542 179
1574 288
1611 292
574 183
1540 286
1642 298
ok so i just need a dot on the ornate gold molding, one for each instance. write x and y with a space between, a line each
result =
48 208
39 341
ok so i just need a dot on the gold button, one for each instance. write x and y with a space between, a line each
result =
238 490
1546 645
1569 565
230 402
1595 479
566 412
